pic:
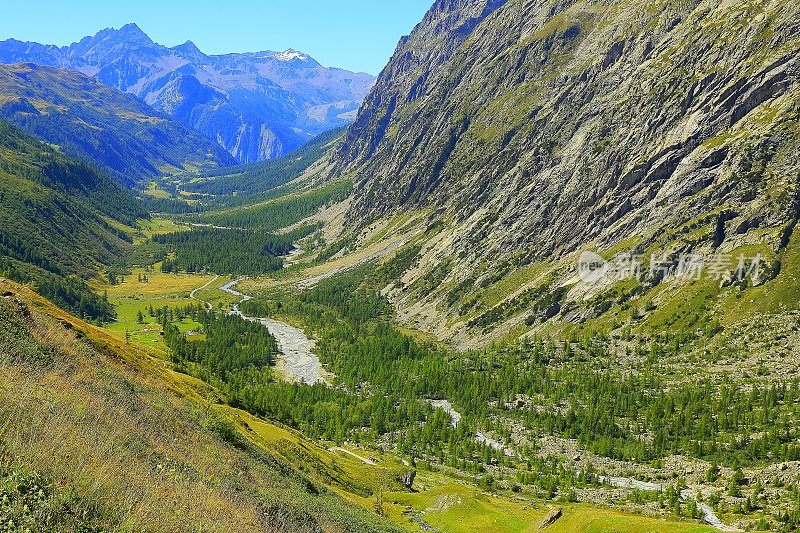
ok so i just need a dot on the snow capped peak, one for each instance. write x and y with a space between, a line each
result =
290 55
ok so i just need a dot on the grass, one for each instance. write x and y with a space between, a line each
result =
154 191
622 246
32 502
512 283
456 507
216 297
584 519
452 506
143 445
687 307
776 296
161 290
159 286
394 225
157 226
149 332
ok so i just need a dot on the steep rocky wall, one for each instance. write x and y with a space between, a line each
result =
548 124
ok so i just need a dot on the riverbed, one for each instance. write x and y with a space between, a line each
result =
297 359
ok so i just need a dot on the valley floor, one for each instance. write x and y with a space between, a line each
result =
356 396
441 502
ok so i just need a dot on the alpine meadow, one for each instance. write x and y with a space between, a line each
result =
540 274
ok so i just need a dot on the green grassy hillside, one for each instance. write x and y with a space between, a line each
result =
96 434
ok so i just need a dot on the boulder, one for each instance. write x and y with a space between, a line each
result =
407 479
551 519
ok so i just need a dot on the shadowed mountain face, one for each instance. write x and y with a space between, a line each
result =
255 105
101 124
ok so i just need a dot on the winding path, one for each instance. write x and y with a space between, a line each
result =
193 294
353 454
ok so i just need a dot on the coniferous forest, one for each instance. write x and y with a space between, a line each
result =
228 251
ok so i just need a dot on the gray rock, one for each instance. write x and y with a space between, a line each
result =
551 519
407 479
537 128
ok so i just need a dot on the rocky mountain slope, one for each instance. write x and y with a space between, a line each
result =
536 129
101 124
255 105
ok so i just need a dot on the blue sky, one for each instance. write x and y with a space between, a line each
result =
354 34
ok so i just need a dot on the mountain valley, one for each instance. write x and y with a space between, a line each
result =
545 278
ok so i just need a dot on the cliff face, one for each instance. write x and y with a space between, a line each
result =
433 43
549 124
536 129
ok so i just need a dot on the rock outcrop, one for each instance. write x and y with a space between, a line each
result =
562 122
551 519
407 479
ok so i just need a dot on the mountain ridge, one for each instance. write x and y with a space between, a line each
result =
100 124
60 222
534 130
256 105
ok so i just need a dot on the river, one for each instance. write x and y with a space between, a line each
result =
301 365
297 358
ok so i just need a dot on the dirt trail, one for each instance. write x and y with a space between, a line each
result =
352 454
193 294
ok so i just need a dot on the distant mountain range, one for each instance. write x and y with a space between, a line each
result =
255 105
102 125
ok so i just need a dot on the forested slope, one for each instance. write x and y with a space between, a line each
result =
255 178
60 221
